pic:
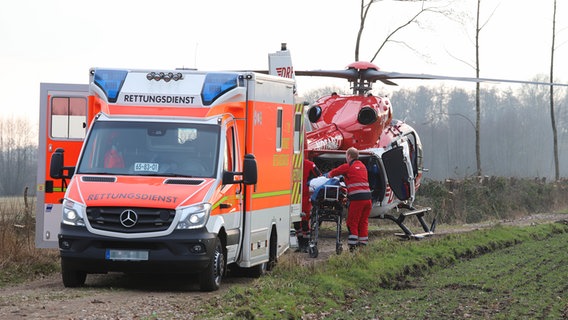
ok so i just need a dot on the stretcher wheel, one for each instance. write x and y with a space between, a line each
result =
313 251
338 248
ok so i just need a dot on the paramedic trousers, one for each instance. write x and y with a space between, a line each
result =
358 222
303 227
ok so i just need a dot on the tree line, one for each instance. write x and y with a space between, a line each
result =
480 23
515 133
18 156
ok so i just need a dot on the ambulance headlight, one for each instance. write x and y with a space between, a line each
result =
73 213
194 217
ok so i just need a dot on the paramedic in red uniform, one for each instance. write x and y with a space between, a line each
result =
303 227
113 159
359 195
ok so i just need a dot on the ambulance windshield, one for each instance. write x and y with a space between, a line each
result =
151 148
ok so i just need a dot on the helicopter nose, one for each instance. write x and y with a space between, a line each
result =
366 116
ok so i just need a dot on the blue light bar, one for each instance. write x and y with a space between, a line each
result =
110 81
217 84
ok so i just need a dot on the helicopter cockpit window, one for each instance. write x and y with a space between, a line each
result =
413 151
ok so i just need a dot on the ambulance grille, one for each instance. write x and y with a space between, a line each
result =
184 181
130 220
98 179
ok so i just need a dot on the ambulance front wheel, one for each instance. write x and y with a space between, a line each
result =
210 278
72 278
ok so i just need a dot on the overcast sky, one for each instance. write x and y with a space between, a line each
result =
59 40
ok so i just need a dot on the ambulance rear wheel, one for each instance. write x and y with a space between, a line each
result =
261 269
210 278
272 255
72 278
258 270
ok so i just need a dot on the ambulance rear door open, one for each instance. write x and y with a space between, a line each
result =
63 121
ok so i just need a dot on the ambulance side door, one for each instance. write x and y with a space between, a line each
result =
63 124
232 206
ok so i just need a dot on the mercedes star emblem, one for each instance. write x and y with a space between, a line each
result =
128 218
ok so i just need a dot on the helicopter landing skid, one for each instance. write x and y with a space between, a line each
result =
419 214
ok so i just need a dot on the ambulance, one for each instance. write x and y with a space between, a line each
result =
170 171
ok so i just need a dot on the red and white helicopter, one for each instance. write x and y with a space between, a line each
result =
391 149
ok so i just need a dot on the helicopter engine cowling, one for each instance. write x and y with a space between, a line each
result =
366 116
314 113
359 120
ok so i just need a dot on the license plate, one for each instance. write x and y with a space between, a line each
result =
126 255
146 166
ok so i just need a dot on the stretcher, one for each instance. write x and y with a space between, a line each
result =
328 201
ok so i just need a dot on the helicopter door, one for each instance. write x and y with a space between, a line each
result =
377 179
398 172
413 152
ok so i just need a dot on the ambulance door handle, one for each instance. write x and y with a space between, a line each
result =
225 205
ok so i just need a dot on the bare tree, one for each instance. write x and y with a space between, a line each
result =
477 96
552 118
478 28
365 6
363 17
313 95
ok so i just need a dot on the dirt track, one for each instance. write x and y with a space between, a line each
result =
118 296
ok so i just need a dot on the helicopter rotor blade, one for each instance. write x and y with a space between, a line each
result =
375 75
388 82
349 74
372 75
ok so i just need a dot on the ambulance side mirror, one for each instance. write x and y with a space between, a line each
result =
229 177
56 168
249 174
250 170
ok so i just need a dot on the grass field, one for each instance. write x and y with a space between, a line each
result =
19 259
498 273
528 280
501 273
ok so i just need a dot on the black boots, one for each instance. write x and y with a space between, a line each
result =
303 244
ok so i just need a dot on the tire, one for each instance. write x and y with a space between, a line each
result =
71 277
338 248
272 259
212 276
261 269
314 228
258 271
313 251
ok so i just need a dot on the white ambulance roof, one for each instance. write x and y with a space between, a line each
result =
171 88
